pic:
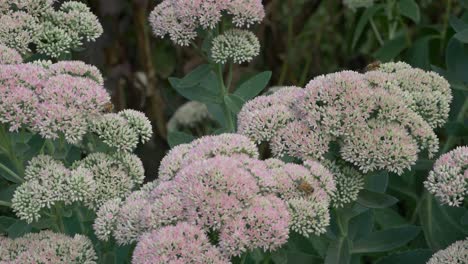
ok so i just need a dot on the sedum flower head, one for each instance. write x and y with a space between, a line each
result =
448 181
203 148
52 32
49 104
214 190
235 45
33 7
264 224
78 18
47 247
106 219
114 176
115 131
9 56
381 147
430 93
53 41
261 117
182 243
349 182
455 253
189 115
18 30
341 109
180 19
78 69
48 182
308 217
91 181
139 123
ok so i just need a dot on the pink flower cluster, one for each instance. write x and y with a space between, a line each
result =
181 18
448 181
183 243
61 99
217 186
379 119
9 56
47 247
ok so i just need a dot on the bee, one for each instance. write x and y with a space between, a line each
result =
373 66
305 187
108 107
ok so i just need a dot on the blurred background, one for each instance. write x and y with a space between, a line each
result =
300 39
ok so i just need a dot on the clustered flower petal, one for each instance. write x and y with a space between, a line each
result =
123 130
448 180
47 247
49 101
181 18
9 56
235 45
204 148
52 32
217 184
455 253
77 69
381 120
349 182
182 243
430 93
91 181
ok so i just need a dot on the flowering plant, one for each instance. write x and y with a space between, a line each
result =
325 173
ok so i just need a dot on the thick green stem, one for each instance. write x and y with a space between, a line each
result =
7 148
80 217
443 34
225 92
229 79
59 219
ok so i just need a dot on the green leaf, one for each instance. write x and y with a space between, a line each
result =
457 24
410 9
338 252
457 60
386 240
177 138
388 218
363 20
418 54
234 103
418 256
377 181
195 77
204 90
440 228
6 194
361 225
253 86
217 112
300 257
391 49
372 199
18 229
8 173
6 222
462 36
456 129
